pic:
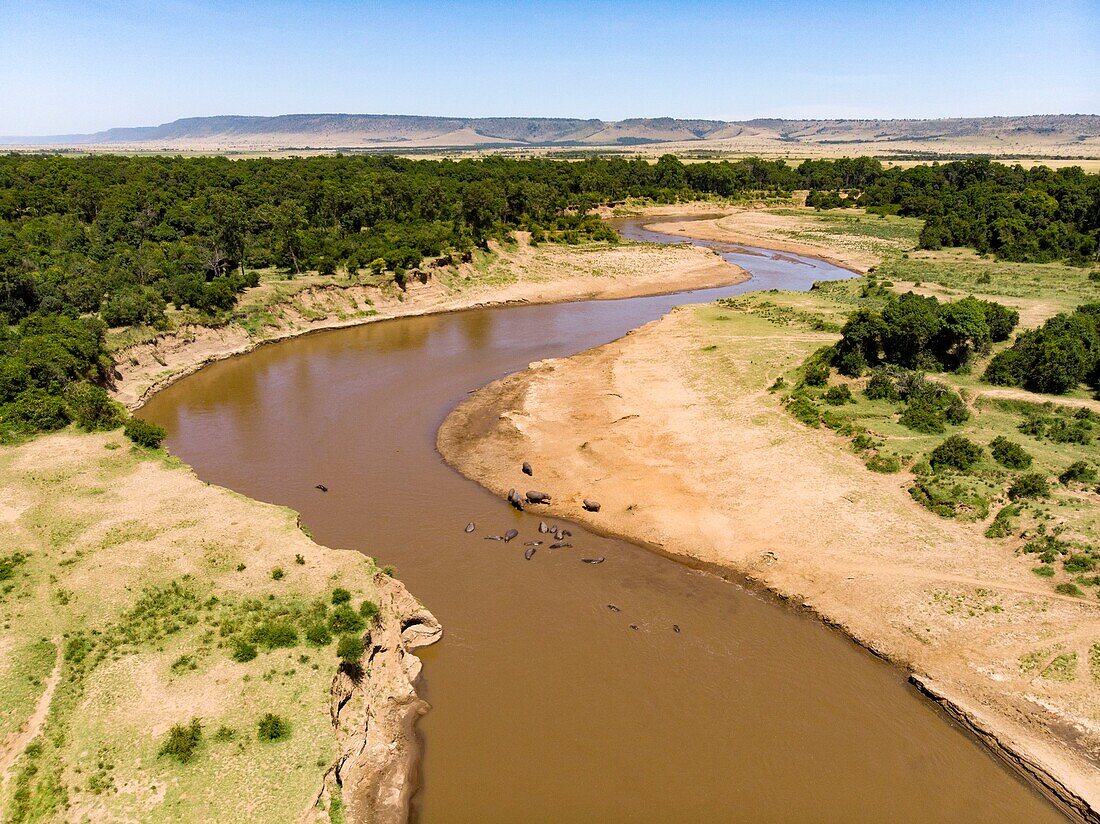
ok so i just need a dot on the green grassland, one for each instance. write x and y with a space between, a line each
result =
161 618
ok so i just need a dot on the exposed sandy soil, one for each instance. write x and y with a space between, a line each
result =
102 525
756 227
709 467
544 274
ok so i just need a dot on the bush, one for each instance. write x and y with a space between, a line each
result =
92 408
1069 589
1002 525
344 620
144 433
35 410
1009 454
275 633
277 574
183 741
1078 471
881 386
839 395
272 727
1029 485
884 463
369 610
350 649
804 410
340 596
816 374
243 651
1078 562
922 417
956 452
318 635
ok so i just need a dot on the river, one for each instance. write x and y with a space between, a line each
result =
546 704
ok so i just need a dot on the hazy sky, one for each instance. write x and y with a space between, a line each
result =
91 64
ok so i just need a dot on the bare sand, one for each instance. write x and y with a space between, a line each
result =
715 471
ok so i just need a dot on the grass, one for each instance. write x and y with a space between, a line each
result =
1012 491
139 612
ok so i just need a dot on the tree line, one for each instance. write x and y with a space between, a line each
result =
104 240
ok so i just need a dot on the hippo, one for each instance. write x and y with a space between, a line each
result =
527 470
515 500
321 487
470 527
536 497
510 534
529 553
543 528
591 506
599 560
561 545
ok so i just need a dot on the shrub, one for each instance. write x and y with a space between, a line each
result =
369 610
144 433
1029 485
275 633
922 417
950 502
35 410
318 635
881 386
816 374
91 407
956 452
300 559
1078 471
1008 453
1002 525
1043 571
277 574
350 649
1078 562
344 620
272 727
805 410
340 596
839 395
183 741
884 463
1069 589
862 442
243 651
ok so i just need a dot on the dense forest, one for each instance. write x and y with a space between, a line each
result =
97 241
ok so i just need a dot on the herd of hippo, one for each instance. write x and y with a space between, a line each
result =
535 497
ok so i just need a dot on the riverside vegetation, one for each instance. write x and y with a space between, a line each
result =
913 384
87 243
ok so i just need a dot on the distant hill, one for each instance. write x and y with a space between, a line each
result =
1063 135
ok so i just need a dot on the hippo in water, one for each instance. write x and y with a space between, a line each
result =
543 528
470 527
321 487
599 560
510 534
515 500
529 553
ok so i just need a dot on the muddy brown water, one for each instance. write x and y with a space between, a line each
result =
548 706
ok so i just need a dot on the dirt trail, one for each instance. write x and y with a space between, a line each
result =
18 741
704 467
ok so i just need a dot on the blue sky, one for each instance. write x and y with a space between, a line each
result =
83 66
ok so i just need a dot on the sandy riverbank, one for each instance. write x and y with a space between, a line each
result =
548 273
689 453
